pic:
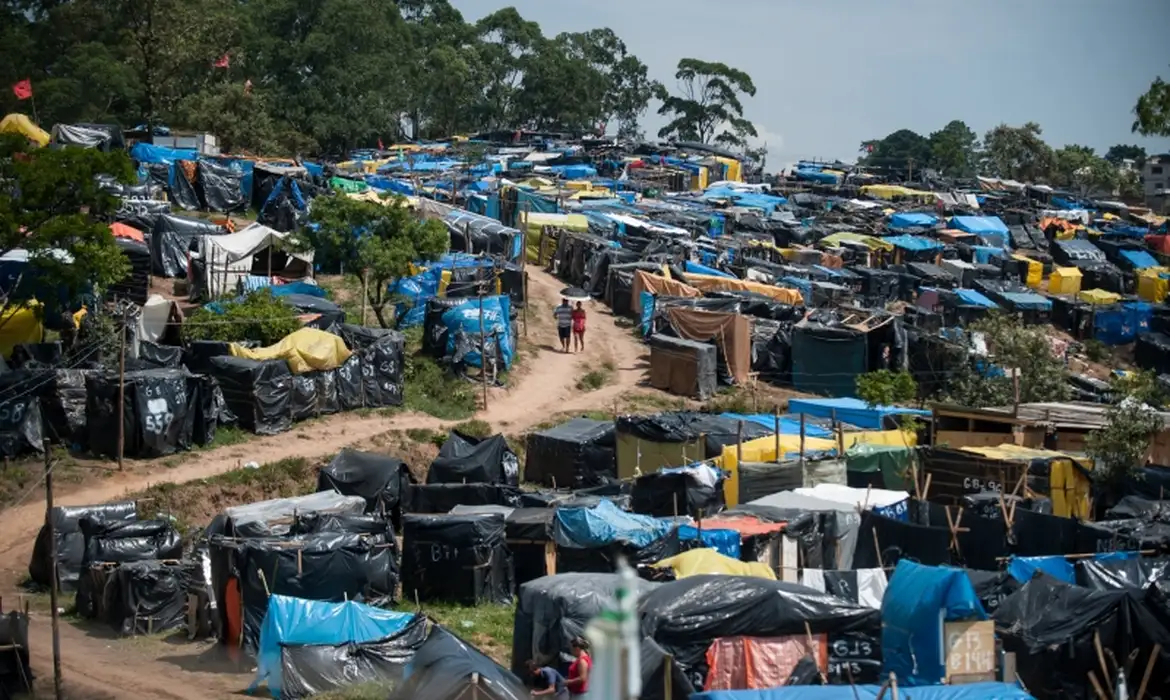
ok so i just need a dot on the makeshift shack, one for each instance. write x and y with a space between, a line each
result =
71 541
380 479
576 454
473 460
457 558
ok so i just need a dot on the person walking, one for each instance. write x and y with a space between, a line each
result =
579 328
564 317
578 681
548 682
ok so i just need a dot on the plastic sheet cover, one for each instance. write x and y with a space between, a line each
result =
71 541
686 426
468 459
464 320
313 669
441 498
971 691
579 453
444 667
291 620
912 640
603 525
15 673
695 490
380 479
553 610
269 518
1112 574
220 187
170 242
304 350
147 597
129 541
457 558
686 616
702 561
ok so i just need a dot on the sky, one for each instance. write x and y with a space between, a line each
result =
830 75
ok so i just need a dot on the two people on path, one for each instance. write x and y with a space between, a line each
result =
550 683
570 325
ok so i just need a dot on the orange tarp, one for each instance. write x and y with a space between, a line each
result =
747 527
712 283
646 282
124 231
731 333
755 663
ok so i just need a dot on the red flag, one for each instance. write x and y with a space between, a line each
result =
22 89
223 62
380 146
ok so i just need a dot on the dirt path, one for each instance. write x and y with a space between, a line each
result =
92 663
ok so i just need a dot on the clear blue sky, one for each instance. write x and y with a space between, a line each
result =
832 74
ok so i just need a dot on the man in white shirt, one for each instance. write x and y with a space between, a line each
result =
564 316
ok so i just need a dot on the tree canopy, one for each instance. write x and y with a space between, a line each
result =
709 107
281 77
1152 111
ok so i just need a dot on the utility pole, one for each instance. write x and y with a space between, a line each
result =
122 393
53 583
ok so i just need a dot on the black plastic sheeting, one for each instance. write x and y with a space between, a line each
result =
147 597
123 542
1052 628
21 425
667 494
444 667
686 426
473 460
742 303
312 669
15 674
219 187
553 610
457 558
576 454
380 479
135 286
330 565
1114 574
687 615
165 411
170 243
992 587
654 670
71 540
441 498
257 392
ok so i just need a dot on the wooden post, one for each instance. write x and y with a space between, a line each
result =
776 415
53 582
122 394
668 680
482 350
365 293
524 309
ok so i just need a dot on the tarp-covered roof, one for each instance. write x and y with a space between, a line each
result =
911 219
20 124
971 296
914 243
850 410
1140 259
979 224
1027 300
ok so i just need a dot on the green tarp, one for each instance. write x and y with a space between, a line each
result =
894 463
344 185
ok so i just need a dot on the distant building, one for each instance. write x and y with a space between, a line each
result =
1156 180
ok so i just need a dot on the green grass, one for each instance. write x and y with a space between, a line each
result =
20 479
488 626
593 380
431 389
475 428
365 691
427 436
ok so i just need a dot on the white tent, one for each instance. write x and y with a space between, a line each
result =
229 258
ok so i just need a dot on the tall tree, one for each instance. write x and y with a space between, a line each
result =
507 44
710 101
627 89
953 149
1120 152
1080 168
903 151
1017 153
1152 111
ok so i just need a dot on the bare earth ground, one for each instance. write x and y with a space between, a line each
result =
98 665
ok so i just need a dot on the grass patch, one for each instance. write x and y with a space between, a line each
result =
365 691
593 380
20 479
487 626
475 428
730 401
426 436
431 389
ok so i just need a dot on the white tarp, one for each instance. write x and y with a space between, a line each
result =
274 517
156 312
228 258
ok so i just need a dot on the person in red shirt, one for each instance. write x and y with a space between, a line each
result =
579 328
578 680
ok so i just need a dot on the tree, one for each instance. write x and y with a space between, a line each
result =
627 88
710 100
382 239
1015 348
52 207
1017 153
507 42
1121 152
953 149
1079 167
258 316
885 388
903 151
1152 110
1131 424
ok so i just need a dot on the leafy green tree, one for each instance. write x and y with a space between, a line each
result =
1121 152
258 316
242 121
1131 425
711 100
51 202
903 150
627 87
1017 153
381 239
507 45
953 149
1079 168
886 388
560 90
1152 111
1016 348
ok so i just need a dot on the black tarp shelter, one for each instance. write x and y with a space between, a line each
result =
576 454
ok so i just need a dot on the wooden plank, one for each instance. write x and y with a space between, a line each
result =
970 651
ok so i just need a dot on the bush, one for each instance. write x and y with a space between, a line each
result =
259 316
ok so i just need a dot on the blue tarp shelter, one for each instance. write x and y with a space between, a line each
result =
1027 300
726 542
850 410
299 621
466 318
810 175
975 298
912 219
972 691
1023 569
913 243
605 524
984 253
917 601
1139 259
574 172
1121 324
698 269
789 424
979 224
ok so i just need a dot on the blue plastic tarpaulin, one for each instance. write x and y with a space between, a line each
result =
1121 324
970 691
979 224
646 299
1140 259
789 424
913 243
496 320
850 410
917 601
280 290
1027 300
816 176
974 298
984 253
149 153
1023 569
912 219
726 542
298 621
698 269
605 524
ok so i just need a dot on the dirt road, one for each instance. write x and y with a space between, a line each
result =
95 665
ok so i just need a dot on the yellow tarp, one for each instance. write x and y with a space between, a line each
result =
763 450
873 242
1035 271
1153 284
698 562
19 325
304 350
1098 297
893 191
1068 477
1064 280
536 219
20 124
734 169
713 283
889 438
